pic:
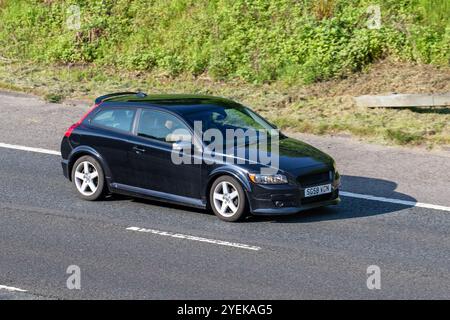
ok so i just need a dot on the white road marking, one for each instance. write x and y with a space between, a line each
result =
11 289
397 201
342 193
38 150
195 238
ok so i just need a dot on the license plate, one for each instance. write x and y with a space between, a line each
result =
318 190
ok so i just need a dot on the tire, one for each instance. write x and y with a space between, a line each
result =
232 207
92 186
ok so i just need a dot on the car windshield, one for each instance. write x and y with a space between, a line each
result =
224 118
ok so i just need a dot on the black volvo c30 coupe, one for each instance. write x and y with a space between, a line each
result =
197 151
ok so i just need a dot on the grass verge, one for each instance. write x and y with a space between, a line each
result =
322 108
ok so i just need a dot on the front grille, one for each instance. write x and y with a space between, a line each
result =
314 178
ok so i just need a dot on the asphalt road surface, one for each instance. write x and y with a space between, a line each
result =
395 215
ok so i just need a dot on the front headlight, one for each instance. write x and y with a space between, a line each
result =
268 179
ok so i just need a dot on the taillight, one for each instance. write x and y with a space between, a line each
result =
75 125
69 131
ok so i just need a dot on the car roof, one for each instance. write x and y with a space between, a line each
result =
181 103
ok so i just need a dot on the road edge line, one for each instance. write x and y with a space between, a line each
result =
342 193
396 201
14 289
30 149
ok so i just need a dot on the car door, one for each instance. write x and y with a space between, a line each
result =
159 134
109 131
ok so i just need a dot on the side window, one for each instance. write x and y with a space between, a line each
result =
119 119
162 126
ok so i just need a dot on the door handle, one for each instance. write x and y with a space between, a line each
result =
138 149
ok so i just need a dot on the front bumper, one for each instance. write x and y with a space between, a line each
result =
292 210
283 200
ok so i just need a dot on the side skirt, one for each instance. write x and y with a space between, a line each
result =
157 195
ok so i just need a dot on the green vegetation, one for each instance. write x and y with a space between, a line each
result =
254 40
296 61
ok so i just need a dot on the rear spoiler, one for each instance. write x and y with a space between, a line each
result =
117 94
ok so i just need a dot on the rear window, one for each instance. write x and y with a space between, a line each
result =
119 119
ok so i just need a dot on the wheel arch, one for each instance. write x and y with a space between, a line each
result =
239 176
88 151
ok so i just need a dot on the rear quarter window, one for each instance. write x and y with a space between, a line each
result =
118 119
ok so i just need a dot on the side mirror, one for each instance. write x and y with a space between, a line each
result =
181 135
182 145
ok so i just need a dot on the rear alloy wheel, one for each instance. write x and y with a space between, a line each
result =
227 199
87 175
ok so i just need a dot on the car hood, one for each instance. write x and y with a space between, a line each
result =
295 157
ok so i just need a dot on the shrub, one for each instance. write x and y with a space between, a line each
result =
254 40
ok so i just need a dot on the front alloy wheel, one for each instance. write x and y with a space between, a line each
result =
227 199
